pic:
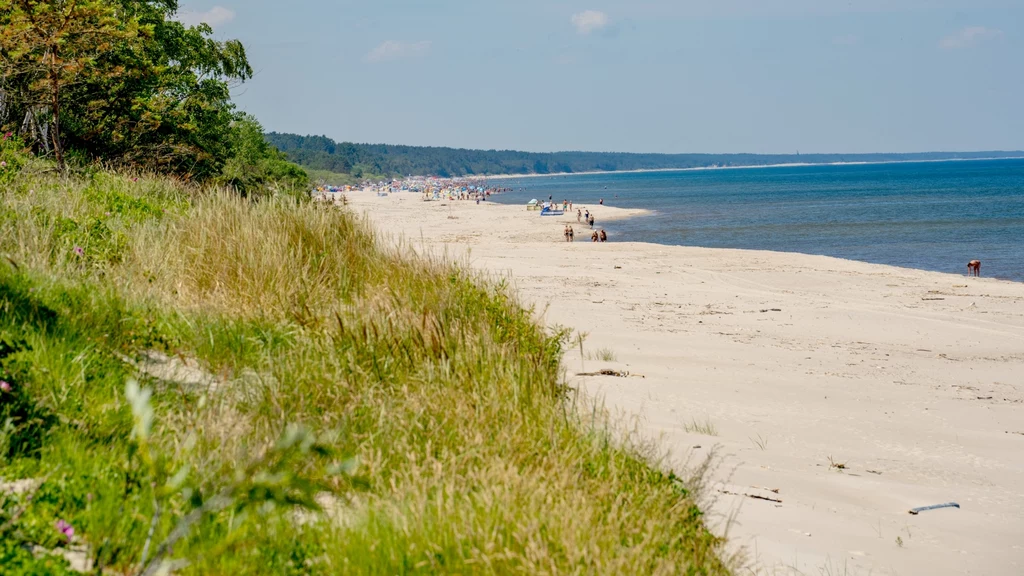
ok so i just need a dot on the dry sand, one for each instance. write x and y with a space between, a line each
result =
913 381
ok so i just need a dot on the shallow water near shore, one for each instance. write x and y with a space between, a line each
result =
925 215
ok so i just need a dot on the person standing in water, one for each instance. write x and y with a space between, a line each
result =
572 235
604 237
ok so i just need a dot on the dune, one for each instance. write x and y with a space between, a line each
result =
835 396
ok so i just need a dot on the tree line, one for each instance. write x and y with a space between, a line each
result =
124 83
323 153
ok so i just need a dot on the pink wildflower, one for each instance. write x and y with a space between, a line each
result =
79 250
3 164
66 529
5 386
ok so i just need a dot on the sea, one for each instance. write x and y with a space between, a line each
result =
926 215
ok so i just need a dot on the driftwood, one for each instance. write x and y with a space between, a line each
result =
916 511
607 372
755 495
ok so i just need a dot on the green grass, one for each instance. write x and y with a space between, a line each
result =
435 429
759 442
602 354
705 427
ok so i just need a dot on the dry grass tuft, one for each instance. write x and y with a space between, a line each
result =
602 354
706 427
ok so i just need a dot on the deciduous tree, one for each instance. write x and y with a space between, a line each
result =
48 46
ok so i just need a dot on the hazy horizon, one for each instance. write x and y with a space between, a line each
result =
656 76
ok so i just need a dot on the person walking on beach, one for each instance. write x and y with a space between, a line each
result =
604 237
591 221
586 216
579 217
566 233
572 235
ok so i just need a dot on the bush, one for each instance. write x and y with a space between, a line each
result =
12 157
255 167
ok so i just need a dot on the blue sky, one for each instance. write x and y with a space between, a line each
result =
639 76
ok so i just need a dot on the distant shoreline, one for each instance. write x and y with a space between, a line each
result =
750 167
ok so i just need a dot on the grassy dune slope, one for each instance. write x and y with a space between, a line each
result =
320 404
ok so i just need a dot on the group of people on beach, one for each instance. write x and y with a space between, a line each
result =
585 218
473 189
595 236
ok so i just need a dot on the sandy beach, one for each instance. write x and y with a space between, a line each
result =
840 394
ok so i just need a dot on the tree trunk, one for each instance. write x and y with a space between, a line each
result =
58 149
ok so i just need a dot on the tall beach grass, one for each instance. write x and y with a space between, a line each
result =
438 391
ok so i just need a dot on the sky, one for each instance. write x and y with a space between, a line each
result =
717 76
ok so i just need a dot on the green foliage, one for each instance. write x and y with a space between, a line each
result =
12 157
97 466
370 160
25 421
172 111
48 45
124 82
17 559
255 165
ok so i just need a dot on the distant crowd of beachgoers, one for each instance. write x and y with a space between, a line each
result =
470 189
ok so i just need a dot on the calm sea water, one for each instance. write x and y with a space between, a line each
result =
928 215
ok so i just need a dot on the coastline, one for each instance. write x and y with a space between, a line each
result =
751 167
799 364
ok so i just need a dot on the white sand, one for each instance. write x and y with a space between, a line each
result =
913 380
